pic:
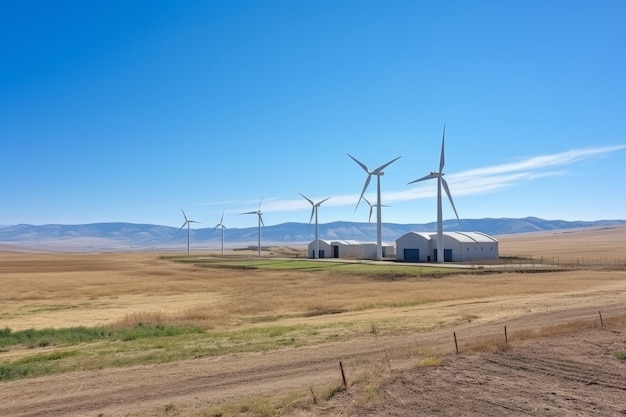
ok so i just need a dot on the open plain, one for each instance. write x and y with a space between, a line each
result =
237 336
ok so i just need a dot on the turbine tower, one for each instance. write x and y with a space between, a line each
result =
314 208
378 172
440 182
221 225
187 222
259 213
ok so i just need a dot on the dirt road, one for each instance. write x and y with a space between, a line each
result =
201 383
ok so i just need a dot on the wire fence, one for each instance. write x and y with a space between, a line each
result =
526 262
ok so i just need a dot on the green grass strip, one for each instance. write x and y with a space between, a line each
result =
32 338
380 271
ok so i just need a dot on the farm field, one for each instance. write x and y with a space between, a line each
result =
169 335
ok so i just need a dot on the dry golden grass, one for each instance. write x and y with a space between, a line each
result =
594 243
63 290
68 290
43 290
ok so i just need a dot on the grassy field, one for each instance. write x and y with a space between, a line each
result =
61 313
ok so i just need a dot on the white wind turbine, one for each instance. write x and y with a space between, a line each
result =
187 222
440 182
221 225
314 208
259 213
369 219
378 172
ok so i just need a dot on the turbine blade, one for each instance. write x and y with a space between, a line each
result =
312 213
320 203
367 182
380 168
184 215
261 219
445 187
442 161
222 219
307 199
360 163
370 217
427 177
260 202
250 212
181 227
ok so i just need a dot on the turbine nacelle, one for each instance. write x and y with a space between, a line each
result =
378 172
314 205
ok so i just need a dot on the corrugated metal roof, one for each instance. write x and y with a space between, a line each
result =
470 237
463 237
423 235
357 243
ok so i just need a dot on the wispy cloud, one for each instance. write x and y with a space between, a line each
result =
539 162
476 181
503 176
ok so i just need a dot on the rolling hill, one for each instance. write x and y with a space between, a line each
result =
137 237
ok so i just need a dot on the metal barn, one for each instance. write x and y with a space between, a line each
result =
414 247
352 249
326 249
458 247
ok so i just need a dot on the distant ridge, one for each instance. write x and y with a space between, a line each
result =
137 237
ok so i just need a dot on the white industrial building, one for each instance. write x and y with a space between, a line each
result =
458 247
352 249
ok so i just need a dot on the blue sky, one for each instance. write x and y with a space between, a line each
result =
128 110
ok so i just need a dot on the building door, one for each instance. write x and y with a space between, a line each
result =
412 255
321 253
447 255
336 251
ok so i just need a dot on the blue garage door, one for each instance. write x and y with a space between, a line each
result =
412 255
447 255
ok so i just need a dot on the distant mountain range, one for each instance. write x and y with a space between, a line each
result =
138 237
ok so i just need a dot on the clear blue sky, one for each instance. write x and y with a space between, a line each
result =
128 110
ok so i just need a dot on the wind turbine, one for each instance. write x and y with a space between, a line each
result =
260 214
221 225
187 222
440 182
371 208
378 172
314 208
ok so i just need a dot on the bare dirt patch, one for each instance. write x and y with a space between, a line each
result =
575 374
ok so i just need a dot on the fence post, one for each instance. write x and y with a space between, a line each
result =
601 322
456 345
506 337
343 376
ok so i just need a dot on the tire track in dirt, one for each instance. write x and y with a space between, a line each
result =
574 374
560 369
202 382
